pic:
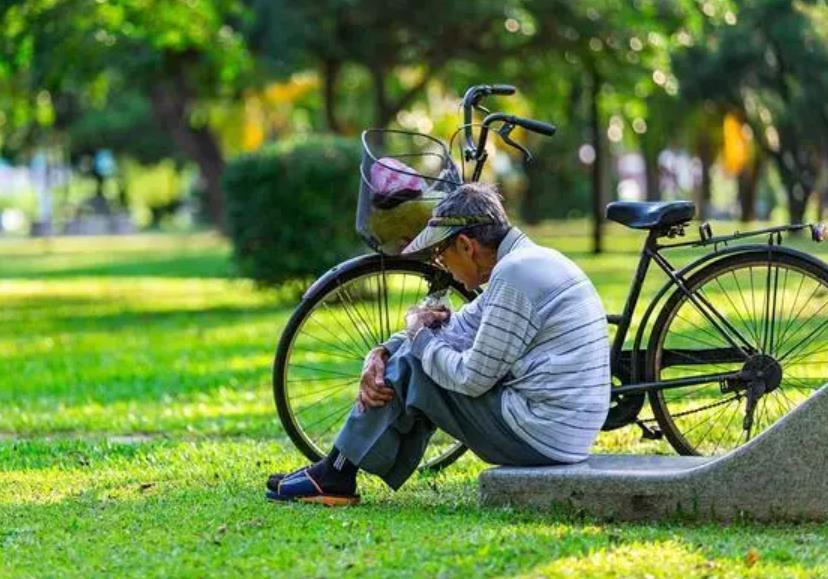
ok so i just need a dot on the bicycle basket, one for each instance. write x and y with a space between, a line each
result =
403 175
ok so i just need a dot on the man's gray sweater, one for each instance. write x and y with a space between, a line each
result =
541 329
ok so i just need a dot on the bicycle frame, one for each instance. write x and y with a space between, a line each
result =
627 364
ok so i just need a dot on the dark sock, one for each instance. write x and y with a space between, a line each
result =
335 473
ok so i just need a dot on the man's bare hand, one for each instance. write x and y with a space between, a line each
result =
373 391
417 318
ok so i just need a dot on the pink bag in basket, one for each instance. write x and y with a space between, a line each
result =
394 182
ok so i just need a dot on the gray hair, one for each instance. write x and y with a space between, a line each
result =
477 199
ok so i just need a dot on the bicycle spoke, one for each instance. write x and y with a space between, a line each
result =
345 349
794 318
788 405
727 324
328 390
306 380
712 420
358 342
777 322
336 352
767 310
802 386
735 309
340 410
323 370
378 302
372 330
358 319
753 298
754 331
705 421
702 329
346 410
781 315
324 363
812 335
399 318
796 360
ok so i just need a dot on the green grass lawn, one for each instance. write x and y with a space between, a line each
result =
137 428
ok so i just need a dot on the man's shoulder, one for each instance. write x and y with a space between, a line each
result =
536 269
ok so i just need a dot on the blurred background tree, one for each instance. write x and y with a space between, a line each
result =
715 100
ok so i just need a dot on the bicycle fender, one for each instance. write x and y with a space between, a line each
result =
695 265
365 260
337 270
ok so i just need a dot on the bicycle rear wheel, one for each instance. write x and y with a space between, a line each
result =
772 324
319 359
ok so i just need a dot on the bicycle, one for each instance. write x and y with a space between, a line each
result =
713 363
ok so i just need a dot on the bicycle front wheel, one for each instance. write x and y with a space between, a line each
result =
764 315
318 363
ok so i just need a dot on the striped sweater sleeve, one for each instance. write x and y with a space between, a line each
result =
459 331
506 329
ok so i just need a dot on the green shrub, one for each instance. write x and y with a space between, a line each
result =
291 207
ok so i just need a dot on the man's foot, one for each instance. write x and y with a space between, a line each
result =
274 479
301 486
330 481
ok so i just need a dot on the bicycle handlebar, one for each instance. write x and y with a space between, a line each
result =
528 124
471 101
474 94
477 92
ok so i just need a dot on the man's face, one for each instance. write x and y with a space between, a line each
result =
462 260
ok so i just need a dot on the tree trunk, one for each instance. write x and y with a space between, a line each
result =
330 75
382 114
598 164
171 100
747 185
649 153
705 152
821 188
386 107
797 196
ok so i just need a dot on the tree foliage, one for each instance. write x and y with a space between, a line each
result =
66 56
146 77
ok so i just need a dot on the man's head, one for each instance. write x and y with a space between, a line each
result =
467 227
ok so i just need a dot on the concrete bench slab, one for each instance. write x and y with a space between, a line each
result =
782 474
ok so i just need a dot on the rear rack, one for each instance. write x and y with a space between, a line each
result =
706 237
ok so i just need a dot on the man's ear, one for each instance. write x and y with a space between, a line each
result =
464 243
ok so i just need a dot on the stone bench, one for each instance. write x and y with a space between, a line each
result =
782 474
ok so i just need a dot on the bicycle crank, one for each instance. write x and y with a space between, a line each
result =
760 375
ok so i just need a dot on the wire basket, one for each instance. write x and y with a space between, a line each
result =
404 174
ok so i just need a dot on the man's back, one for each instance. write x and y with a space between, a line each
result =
556 394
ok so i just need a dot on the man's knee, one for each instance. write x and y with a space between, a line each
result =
405 373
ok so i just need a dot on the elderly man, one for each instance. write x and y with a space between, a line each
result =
520 375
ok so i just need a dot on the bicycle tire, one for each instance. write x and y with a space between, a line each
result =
668 408
310 303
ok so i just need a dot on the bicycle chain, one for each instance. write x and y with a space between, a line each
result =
686 412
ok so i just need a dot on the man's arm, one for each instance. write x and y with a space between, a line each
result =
458 331
506 329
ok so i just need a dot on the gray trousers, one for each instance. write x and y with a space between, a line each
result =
389 441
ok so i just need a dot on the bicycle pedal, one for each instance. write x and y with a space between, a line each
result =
648 433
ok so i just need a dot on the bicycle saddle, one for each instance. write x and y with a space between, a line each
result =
650 214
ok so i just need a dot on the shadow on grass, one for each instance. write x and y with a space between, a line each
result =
129 511
139 320
38 267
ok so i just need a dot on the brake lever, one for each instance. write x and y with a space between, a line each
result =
505 131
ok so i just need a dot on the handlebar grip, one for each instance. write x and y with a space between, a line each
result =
535 126
505 89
